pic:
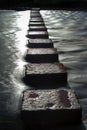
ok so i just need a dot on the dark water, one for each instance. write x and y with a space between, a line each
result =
68 30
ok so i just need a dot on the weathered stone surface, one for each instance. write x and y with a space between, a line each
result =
37 28
34 15
34 11
45 74
42 51
42 55
50 107
37 19
38 34
36 24
40 43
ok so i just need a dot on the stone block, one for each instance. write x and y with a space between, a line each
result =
34 11
36 24
38 34
45 74
40 43
35 15
50 107
37 19
37 28
42 55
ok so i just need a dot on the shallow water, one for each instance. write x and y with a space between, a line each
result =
68 30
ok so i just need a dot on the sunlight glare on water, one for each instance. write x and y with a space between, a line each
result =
22 22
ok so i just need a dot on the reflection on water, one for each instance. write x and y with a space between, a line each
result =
68 30
13 26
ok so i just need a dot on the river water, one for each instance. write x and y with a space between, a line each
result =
68 30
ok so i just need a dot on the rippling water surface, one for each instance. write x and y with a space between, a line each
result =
68 30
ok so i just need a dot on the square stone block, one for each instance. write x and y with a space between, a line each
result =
36 23
42 55
40 43
38 34
34 11
50 107
35 15
37 28
37 19
45 74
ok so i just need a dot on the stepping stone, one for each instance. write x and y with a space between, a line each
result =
40 43
50 107
45 74
42 55
36 19
36 24
35 11
38 34
37 28
34 15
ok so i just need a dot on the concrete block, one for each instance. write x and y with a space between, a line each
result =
42 55
35 15
38 34
40 43
50 107
34 11
36 24
37 28
37 19
45 74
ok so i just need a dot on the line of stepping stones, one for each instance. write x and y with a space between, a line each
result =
50 101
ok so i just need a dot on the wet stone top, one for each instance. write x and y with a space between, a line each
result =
36 18
38 33
34 11
35 14
44 68
42 51
38 23
40 41
55 99
36 27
